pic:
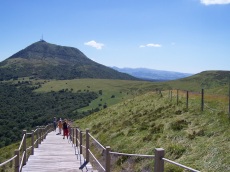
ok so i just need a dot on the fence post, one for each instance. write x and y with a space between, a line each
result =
24 147
177 96
107 159
187 99
202 99
76 137
87 145
16 162
159 162
42 136
80 142
32 143
39 135
171 96
45 132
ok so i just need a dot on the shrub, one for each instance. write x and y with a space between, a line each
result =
179 125
176 150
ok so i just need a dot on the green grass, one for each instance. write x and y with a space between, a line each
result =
196 139
6 153
113 91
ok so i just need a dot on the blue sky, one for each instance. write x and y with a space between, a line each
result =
187 36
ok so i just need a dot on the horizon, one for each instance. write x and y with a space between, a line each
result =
186 36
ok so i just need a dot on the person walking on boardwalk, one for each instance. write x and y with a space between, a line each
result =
55 124
65 129
60 126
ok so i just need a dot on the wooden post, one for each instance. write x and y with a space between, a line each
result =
45 131
40 135
107 159
187 99
37 133
76 137
202 99
24 147
171 95
80 142
16 162
87 145
71 134
32 143
159 162
177 96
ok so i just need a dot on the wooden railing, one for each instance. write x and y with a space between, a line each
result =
25 149
76 136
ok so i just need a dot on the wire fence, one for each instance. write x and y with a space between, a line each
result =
199 100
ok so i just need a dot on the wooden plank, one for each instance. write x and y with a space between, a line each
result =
55 154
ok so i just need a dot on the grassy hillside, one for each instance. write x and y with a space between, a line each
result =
213 81
191 137
112 91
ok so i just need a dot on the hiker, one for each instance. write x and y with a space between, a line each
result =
65 129
55 124
60 126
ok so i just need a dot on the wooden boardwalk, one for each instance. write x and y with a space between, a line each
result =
55 154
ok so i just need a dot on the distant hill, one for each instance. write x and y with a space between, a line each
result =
49 61
215 81
211 78
152 74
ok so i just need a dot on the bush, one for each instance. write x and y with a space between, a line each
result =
179 125
176 150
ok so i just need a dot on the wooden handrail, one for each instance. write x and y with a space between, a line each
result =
97 141
21 142
158 157
126 154
9 160
180 165
19 164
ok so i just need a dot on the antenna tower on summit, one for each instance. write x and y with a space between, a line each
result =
42 38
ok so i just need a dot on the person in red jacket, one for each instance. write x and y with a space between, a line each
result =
65 129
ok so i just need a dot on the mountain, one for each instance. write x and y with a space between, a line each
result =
152 74
49 61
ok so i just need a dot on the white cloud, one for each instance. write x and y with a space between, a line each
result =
151 45
94 44
213 2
